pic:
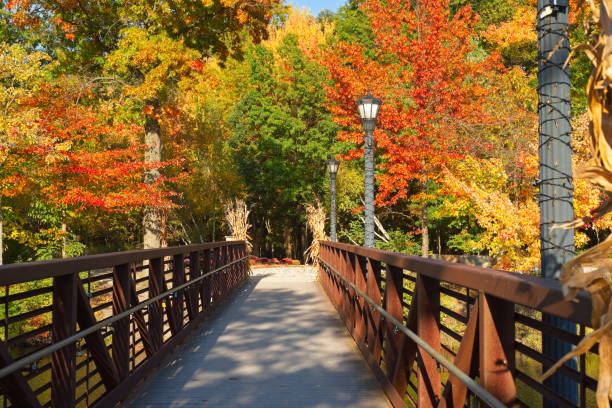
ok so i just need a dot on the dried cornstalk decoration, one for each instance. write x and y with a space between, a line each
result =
591 270
316 224
237 217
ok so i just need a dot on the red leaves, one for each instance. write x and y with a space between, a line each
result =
196 65
92 160
425 75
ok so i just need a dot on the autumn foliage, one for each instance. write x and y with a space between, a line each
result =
431 84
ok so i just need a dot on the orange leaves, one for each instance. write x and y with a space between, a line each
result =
91 160
424 71
520 29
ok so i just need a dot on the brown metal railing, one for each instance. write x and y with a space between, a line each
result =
487 322
85 331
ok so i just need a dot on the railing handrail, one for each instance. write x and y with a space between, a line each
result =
531 291
29 271
476 388
22 362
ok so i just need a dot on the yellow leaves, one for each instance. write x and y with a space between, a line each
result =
310 33
520 29
511 226
21 76
160 60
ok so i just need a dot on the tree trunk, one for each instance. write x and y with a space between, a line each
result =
425 233
439 243
152 216
288 241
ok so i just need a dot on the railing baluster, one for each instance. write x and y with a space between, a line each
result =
121 328
428 321
496 347
63 362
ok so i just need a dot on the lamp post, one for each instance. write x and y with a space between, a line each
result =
332 168
368 110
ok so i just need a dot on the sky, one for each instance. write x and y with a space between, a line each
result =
316 6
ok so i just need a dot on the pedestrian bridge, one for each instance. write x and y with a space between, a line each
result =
192 326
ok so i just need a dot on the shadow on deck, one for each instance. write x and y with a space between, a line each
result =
277 343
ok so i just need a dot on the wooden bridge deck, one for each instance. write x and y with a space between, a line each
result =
277 343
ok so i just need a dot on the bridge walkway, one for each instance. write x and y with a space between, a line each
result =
277 343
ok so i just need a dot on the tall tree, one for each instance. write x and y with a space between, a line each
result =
426 66
281 135
146 46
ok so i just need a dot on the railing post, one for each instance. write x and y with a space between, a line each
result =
496 347
205 289
360 324
178 278
194 272
394 292
245 264
215 277
156 317
344 293
63 362
374 329
224 273
349 261
427 292
121 328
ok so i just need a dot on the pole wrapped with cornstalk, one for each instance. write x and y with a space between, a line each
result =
316 224
591 270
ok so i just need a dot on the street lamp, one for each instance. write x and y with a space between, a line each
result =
332 168
368 110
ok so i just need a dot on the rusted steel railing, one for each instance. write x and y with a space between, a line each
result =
487 322
85 331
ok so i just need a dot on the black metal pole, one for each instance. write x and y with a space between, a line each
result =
332 217
368 157
556 186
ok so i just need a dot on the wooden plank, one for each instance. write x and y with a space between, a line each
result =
63 361
496 347
95 342
428 329
14 386
121 328
455 392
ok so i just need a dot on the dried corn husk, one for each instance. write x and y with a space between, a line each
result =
237 217
316 224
